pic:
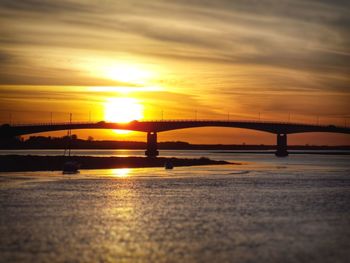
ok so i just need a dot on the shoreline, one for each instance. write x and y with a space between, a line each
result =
320 152
26 163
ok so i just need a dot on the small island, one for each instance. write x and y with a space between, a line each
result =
21 163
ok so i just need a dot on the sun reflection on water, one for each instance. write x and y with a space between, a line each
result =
121 172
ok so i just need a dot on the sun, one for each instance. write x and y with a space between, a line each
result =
122 110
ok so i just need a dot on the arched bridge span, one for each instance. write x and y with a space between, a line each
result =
153 127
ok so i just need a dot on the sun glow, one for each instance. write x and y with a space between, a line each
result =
122 110
125 89
127 73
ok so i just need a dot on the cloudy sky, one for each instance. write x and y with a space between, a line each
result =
180 59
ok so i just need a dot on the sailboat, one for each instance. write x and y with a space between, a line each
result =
70 167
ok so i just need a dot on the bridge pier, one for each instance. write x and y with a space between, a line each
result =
151 145
281 149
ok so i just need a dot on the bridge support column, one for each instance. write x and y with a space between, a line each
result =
281 149
151 145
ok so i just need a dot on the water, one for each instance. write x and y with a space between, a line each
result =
266 209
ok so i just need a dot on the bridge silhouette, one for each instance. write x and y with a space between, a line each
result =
280 129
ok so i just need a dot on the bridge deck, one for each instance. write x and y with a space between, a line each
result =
168 125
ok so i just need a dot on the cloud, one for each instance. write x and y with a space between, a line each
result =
44 6
209 47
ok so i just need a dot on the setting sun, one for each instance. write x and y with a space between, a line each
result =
123 110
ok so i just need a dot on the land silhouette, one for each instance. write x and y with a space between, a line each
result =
73 142
10 163
15 163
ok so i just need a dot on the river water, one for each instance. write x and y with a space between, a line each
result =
266 209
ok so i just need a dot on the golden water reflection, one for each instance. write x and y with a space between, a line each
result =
120 172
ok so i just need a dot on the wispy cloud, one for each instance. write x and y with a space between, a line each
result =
209 48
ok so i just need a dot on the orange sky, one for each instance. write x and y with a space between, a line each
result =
177 60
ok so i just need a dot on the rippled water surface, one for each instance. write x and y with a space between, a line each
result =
267 209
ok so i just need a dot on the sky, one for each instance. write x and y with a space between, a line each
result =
280 60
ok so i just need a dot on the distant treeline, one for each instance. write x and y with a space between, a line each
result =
73 142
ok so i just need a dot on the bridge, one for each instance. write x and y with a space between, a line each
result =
280 129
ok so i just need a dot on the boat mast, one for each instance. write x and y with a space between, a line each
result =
69 134
69 137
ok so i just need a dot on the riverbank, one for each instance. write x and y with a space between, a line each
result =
41 142
21 163
290 152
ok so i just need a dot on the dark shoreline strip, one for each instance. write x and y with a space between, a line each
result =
290 152
21 163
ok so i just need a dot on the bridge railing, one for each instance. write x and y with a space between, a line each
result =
175 121
49 123
246 121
